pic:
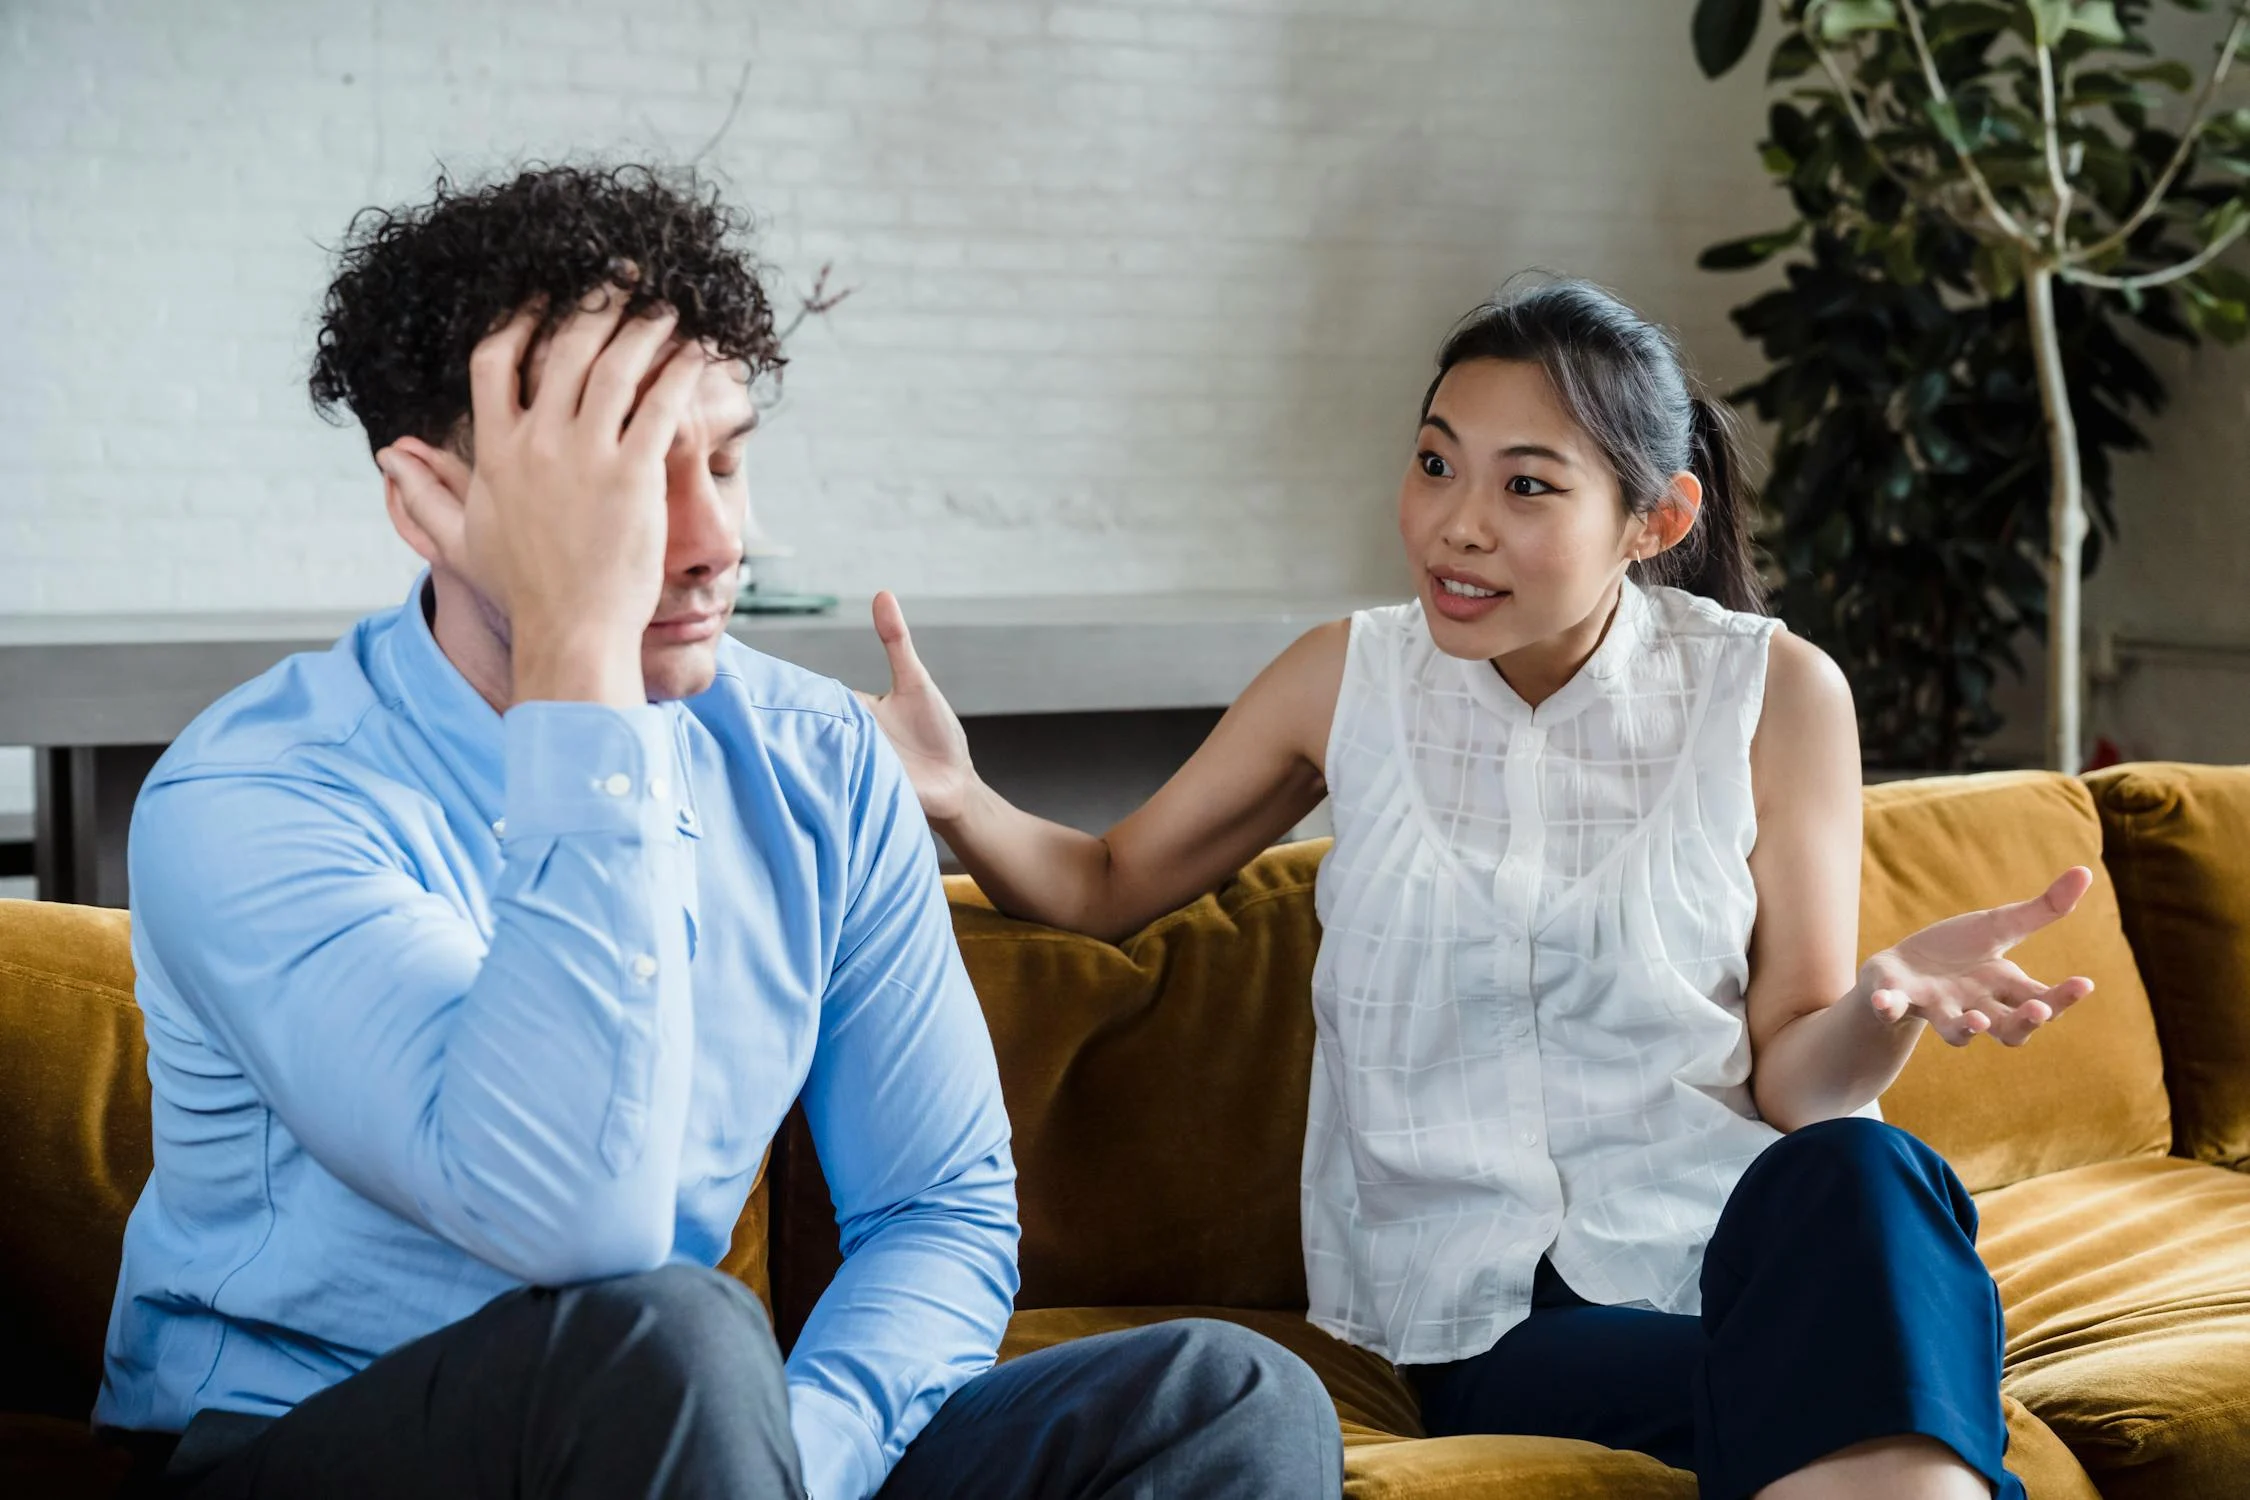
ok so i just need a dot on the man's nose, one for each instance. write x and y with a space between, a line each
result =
705 538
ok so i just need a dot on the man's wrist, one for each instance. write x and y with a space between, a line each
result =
587 665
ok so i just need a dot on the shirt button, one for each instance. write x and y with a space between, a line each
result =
644 967
659 788
1531 1138
618 784
499 828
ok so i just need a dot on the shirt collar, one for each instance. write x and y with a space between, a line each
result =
451 715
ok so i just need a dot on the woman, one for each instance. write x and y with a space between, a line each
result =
1591 1148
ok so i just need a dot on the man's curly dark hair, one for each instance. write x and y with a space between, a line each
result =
417 288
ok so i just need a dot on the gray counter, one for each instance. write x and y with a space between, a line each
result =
1077 706
138 680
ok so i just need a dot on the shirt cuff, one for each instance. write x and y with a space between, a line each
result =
836 1451
588 768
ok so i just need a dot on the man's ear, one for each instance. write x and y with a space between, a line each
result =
1673 518
426 490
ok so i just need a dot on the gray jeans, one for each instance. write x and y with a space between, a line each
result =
670 1384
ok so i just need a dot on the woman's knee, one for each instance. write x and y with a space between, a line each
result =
1857 1159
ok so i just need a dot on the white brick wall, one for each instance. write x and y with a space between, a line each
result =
1146 291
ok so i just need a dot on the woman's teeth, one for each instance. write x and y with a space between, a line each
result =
1467 590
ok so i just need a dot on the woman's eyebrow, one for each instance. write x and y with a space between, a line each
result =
1518 450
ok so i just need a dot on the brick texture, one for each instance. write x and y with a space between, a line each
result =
1146 292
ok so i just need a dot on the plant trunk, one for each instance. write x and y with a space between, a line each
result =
2066 528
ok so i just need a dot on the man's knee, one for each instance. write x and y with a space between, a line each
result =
675 1328
1219 1366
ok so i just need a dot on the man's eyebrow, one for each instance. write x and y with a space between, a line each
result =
1519 450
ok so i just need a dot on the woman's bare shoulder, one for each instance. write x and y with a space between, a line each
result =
1309 680
1808 732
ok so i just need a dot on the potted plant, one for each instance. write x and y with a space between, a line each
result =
1987 198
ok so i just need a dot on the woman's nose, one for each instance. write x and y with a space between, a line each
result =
1466 528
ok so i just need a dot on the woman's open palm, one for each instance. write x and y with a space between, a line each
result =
918 722
1955 974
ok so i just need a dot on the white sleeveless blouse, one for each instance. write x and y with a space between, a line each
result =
1529 994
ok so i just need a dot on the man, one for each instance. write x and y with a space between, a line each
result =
482 955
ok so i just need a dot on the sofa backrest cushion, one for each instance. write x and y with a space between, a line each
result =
1157 1091
74 1145
2177 842
2088 1088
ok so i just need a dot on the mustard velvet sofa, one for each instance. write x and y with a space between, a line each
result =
1158 1094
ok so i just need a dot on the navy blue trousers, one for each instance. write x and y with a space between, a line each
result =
1843 1301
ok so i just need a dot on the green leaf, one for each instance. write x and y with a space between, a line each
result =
1841 20
2222 221
1723 31
2223 318
1997 269
2098 19
1756 249
2225 282
1899 257
1778 161
2097 87
1926 392
2049 20
2229 125
1951 23
1948 123
2176 76
1792 57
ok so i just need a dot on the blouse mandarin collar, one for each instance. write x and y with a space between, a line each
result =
1619 641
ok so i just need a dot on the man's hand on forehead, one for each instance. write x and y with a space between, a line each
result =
602 314
563 519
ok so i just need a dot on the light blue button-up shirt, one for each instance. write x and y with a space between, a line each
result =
441 1002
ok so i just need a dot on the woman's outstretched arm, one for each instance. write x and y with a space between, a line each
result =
1828 1035
1260 772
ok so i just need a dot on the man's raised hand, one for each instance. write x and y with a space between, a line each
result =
561 522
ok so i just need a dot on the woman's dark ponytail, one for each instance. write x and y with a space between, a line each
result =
1621 379
1716 559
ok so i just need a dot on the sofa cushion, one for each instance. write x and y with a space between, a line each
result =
2089 1088
1385 1455
49 1456
1387 1458
2127 1289
74 1145
1157 1093
2177 842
